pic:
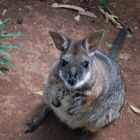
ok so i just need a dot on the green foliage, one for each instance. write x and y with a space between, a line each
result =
104 4
6 47
5 57
4 35
3 24
6 62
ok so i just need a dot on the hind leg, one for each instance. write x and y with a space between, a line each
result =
84 135
38 120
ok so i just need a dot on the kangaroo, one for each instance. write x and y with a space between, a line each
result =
84 87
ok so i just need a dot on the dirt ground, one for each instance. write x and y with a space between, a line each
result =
18 101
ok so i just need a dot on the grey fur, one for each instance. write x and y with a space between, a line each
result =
96 103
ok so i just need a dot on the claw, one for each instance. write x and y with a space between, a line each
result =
56 100
76 105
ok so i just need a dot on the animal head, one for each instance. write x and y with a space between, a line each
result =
75 63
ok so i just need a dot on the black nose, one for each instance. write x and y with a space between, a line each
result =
72 80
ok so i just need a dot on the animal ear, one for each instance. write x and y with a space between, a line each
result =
61 42
92 41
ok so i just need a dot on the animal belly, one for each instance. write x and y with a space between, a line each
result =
73 121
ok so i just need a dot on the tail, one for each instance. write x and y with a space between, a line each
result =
119 41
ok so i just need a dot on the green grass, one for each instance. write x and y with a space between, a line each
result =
5 57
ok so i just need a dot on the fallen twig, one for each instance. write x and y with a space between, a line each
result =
80 10
112 18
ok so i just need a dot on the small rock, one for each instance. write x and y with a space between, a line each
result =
20 9
77 18
136 27
19 20
135 49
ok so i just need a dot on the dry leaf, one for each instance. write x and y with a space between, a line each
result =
39 93
124 56
135 109
109 45
4 12
113 18
80 10
56 5
88 13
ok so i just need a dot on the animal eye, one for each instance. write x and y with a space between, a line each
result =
64 63
85 64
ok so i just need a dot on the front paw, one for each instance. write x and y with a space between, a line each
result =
56 100
76 105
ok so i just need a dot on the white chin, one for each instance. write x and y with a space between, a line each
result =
79 83
69 86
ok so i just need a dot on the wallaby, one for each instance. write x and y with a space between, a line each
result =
84 87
